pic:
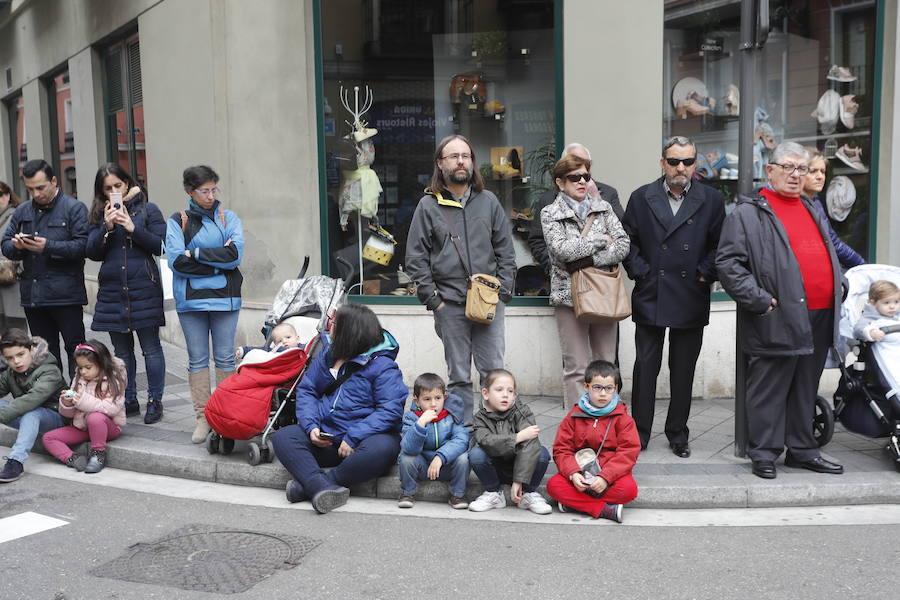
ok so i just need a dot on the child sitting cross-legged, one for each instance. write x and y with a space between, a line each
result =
507 448
433 444
596 447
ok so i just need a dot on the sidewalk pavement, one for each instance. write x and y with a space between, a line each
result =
711 478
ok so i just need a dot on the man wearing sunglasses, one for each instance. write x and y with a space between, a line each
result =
674 225
777 261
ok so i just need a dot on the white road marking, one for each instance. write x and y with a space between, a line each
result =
25 524
868 514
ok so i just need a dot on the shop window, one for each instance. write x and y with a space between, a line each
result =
62 149
815 86
125 107
484 69
15 110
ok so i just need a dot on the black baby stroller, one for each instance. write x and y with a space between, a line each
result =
866 401
255 400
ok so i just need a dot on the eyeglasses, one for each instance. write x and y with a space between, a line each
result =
606 389
576 177
456 156
673 162
203 192
789 168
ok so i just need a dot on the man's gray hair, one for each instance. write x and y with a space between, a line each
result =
788 149
575 146
678 140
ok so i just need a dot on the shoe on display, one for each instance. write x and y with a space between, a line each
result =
535 503
731 159
827 111
842 74
840 197
848 107
852 157
732 100
487 501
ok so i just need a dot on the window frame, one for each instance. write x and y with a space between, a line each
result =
121 44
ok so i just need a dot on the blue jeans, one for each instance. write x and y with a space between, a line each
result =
198 327
154 360
486 468
414 468
30 425
372 457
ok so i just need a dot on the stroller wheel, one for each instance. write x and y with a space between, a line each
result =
226 445
212 442
270 451
823 422
254 455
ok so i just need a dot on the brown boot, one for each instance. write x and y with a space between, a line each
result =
199 382
222 376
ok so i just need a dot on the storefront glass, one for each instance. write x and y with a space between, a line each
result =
425 69
815 86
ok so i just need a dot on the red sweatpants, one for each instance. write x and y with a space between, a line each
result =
100 429
622 491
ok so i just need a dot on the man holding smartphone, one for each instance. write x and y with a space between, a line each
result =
48 234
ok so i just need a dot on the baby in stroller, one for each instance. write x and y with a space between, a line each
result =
284 336
867 400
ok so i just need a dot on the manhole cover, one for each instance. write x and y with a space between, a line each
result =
209 559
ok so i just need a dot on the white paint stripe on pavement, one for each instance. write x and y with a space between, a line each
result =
868 514
25 524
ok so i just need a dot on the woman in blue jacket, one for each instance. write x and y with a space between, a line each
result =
349 410
205 245
126 233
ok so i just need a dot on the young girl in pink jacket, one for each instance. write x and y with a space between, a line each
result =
96 405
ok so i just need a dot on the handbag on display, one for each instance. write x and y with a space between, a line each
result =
9 270
599 296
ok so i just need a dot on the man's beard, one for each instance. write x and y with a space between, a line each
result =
678 180
454 176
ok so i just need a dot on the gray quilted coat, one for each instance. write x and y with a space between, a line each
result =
562 232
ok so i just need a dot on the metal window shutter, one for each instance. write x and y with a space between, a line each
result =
134 74
115 96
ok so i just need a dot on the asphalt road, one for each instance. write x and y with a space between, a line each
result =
766 553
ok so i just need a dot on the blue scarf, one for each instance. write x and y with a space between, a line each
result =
584 403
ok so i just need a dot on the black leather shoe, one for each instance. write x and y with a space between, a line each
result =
764 469
680 449
817 464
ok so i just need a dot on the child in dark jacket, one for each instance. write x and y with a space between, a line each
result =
433 444
599 431
507 448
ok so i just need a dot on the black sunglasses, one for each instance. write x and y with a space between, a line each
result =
576 177
673 162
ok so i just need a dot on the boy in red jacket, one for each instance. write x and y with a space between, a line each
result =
598 425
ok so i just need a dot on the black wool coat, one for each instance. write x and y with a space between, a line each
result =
670 253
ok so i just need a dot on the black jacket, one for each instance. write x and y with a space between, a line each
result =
130 289
670 253
54 277
756 263
536 233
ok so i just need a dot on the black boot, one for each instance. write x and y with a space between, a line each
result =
97 461
132 409
154 411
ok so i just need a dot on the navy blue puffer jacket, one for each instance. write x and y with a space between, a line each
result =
130 294
369 402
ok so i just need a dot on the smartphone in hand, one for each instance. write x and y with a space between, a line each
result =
326 436
115 198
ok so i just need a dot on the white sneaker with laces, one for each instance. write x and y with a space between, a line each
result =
535 503
487 501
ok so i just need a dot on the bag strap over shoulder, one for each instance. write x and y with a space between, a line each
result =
588 223
454 237
184 219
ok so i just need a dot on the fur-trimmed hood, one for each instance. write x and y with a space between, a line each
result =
41 354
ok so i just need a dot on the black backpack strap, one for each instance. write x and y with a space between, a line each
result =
340 380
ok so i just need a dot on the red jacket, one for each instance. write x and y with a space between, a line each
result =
579 430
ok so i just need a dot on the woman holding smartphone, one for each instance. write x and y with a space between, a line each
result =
126 234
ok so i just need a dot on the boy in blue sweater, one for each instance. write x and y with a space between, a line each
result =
433 444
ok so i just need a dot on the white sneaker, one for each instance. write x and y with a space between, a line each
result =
487 501
535 503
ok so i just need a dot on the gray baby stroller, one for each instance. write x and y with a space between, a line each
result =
866 401
259 398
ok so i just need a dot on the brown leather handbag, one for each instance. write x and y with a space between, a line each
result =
599 296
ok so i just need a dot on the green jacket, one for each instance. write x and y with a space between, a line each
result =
40 385
496 433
